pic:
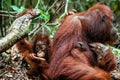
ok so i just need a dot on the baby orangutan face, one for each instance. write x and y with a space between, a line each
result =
41 48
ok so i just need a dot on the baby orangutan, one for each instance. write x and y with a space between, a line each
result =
35 54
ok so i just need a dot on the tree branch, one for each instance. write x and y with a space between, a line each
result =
66 6
19 29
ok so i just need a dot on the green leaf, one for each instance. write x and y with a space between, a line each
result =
22 9
114 6
44 15
116 51
41 11
17 9
4 54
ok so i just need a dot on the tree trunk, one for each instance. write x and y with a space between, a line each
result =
19 29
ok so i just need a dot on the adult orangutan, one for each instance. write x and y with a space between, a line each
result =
69 62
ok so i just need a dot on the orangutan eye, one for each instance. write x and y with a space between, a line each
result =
37 48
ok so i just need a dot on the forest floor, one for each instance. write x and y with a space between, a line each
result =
13 68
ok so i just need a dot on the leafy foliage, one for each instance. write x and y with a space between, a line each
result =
116 51
48 22
17 9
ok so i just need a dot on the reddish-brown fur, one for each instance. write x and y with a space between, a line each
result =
71 63
38 63
27 11
40 40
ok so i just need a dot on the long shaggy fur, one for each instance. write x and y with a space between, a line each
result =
70 63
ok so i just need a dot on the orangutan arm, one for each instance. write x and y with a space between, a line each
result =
75 70
106 58
108 62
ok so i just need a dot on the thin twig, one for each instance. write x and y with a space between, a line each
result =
52 5
66 6
8 9
57 11
1 11
35 31
7 15
37 4
43 29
